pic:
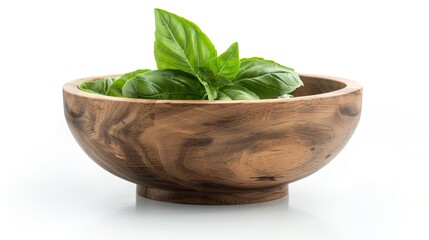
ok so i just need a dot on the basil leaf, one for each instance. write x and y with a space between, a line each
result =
180 44
211 84
99 86
116 88
227 64
265 60
286 95
164 84
207 75
222 96
211 91
236 92
267 79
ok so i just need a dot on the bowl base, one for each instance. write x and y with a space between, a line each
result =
212 198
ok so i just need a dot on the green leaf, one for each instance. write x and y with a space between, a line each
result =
180 44
222 96
227 64
207 75
116 88
267 79
265 60
236 92
211 91
99 86
164 84
211 85
286 95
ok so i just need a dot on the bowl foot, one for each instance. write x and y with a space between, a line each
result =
212 198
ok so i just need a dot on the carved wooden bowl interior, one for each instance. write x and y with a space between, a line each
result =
215 152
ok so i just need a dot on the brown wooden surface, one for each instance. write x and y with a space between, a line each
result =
216 152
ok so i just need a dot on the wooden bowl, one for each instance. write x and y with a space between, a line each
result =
215 152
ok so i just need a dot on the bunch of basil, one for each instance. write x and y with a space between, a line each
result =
189 68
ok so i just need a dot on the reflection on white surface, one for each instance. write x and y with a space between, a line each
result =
269 220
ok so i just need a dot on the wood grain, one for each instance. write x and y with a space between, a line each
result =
216 152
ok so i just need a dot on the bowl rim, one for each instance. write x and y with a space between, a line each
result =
350 87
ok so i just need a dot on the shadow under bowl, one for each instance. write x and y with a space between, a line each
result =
215 152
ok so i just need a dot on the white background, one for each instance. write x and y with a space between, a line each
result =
376 188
